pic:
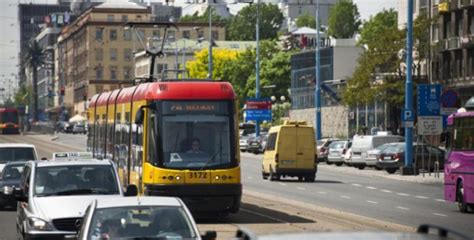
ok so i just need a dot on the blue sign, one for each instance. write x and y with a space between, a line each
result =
258 115
428 100
449 98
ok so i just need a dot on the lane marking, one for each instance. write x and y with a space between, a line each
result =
322 193
440 200
262 215
421 197
440 214
369 187
283 184
386 191
403 208
346 197
356 185
373 202
403 194
301 188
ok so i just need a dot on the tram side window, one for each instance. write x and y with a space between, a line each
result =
117 136
109 149
151 154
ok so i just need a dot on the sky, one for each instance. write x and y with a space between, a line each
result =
9 33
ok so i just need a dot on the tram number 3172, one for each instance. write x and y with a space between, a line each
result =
197 175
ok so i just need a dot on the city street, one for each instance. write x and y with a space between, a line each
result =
342 198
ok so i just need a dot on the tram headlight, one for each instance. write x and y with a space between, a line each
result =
217 177
178 178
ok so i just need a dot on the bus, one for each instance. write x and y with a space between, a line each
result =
172 138
459 162
9 121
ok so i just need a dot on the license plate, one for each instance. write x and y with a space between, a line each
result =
197 175
287 161
387 158
254 144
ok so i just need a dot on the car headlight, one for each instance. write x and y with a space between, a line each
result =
39 224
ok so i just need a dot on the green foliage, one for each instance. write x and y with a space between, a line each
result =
35 58
382 23
344 19
21 97
306 20
242 26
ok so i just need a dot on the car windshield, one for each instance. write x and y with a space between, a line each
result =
12 172
12 154
337 145
147 222
75 180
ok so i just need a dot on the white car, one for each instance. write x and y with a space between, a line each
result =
53 195
11 152
140 218
363 143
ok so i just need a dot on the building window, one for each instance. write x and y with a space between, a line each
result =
99 73
156 34
99 54
186 34
99 33
127 54
113 73
435 33
113 54
127 73
110 18
113 35
124 18
171 34
141 34
470 22
127 34
139 18
215 35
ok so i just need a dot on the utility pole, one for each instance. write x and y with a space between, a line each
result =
317 97
257 64
210 42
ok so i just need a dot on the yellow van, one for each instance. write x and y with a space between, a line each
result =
290 151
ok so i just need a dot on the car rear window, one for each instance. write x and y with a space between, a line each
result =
16 154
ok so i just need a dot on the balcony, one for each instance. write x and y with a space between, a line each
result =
467 4
442 45
454 5
443 7
454 43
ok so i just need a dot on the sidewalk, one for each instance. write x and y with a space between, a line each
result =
370 172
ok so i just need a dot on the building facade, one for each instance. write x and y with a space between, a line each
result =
30 19
452 39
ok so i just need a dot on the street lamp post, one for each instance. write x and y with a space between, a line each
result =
210 42
257 63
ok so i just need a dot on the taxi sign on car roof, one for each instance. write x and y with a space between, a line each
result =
72 155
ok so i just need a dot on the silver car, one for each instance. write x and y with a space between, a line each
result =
335 154
140 218
53 195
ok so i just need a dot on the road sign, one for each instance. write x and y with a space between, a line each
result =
408 116
449 98
428 100
429 125
258 109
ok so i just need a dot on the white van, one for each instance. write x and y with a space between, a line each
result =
362 144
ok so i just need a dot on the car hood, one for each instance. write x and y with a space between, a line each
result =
49 208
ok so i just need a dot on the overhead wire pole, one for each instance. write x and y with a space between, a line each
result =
317 97
210 42
408 168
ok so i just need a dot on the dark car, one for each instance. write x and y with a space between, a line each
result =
68 127
79 128
10 177
393 157
257 144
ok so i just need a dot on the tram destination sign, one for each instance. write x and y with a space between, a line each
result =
195 107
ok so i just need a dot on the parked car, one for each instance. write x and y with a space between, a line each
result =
348 154
363 143
243 142
10 177
79 128
68 127
336 150
13 152
54 194
257 144
372 155
322 148
393 157
140 218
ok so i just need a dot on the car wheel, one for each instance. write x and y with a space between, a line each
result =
328 162
462 205
300 178
310 178
391 170
378 168
264 176
361 167
273 176
339 164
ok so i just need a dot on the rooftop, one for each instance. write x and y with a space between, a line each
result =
119 5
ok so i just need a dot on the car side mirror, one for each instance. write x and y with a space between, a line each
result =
139 116
19 195
209 235
131 191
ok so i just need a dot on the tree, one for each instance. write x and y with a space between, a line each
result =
22 95
373 29
306 20
242 26
344 19
35 58
220 58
